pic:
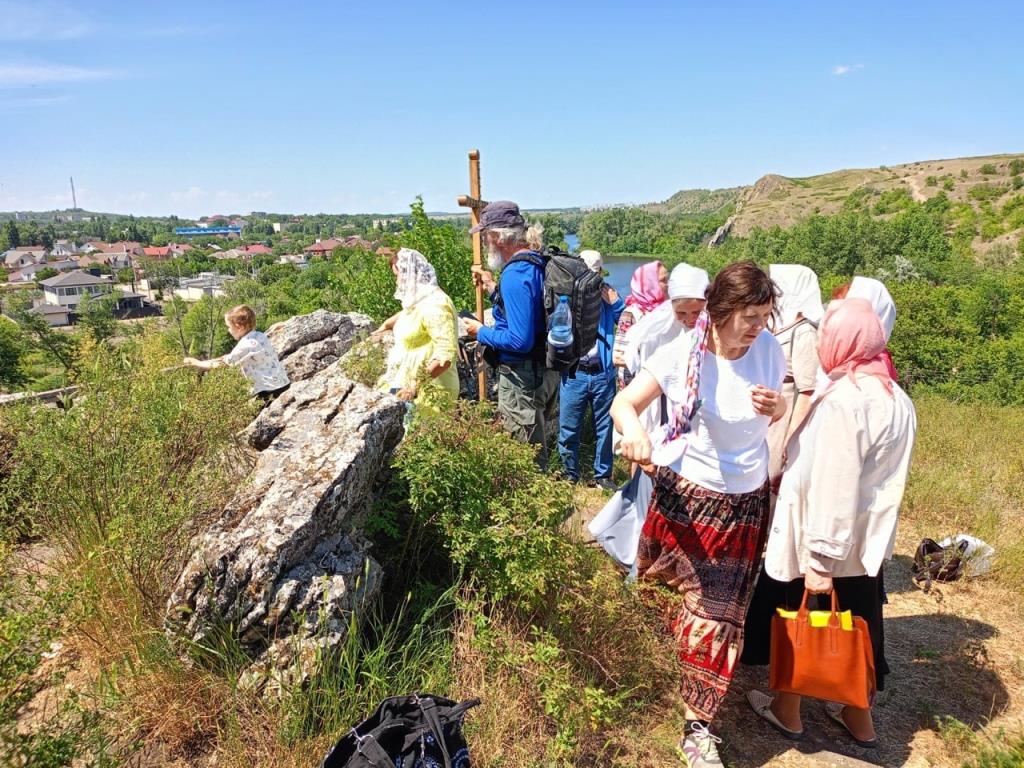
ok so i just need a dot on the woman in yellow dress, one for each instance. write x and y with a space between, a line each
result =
421 365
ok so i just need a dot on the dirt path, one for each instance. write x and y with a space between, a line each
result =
957 652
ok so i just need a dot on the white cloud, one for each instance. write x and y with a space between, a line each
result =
42 20
23 75
191 195
845 69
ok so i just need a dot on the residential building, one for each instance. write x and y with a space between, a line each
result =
68 288
322 248
203 284
16 258
55 316
160 253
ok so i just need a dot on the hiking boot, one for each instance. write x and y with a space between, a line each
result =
606 484
699 748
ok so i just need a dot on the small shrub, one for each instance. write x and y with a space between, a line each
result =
948 184
963 173
988 169
1017 182
987 191
931 181
498 514
365 362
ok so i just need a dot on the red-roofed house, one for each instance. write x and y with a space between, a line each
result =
322 247
254 250
157 252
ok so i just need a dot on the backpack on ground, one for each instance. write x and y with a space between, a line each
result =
412 731
567 275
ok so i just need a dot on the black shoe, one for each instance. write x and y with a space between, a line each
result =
605 483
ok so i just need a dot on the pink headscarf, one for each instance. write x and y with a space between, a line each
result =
645 291
851 340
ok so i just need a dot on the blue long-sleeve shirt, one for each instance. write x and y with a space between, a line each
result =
610 314
517 326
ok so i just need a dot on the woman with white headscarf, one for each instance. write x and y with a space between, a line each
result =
420 365
686 288
617 527
798 313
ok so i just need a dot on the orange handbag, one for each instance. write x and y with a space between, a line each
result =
824 662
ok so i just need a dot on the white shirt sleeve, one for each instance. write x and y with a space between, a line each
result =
243 350
833 498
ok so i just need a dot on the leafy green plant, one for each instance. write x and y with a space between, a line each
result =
988 169
498 514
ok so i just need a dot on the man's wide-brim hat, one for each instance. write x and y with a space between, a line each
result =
500 214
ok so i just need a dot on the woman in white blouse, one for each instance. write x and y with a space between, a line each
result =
835 521
706 523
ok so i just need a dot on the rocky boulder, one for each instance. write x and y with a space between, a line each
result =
284 566
309 343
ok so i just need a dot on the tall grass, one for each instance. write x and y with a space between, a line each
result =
967 476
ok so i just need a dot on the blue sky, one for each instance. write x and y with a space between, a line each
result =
224 107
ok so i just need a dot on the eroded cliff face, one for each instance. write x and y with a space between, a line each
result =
284 566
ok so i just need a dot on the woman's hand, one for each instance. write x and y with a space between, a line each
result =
636 446
818 582
406 395
472 326
609 294
768 402
618 360
435 368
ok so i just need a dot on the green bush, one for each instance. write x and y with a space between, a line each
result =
117 480
1016 166
498 515
987 191
948 184
988 169
931 181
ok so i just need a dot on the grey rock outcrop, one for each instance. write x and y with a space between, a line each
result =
309 343
284 566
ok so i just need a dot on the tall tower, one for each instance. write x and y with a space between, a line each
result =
74 200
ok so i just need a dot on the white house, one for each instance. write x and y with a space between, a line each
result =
67 289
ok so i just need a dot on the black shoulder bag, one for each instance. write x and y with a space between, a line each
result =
412 731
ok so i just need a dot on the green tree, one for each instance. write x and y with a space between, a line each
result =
96 316
59 347
12 350
45 274
12 234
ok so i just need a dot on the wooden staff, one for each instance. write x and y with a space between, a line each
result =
475 204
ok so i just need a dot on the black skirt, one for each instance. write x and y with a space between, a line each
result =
863 595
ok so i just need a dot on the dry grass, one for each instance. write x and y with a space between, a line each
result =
967 476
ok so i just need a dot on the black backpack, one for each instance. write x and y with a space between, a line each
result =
412 731
567 275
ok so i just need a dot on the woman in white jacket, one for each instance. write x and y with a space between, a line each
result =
839 501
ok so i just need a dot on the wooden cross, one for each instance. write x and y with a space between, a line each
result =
475 204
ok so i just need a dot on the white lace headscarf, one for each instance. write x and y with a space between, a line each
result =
416 277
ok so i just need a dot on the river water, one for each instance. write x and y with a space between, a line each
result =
620 269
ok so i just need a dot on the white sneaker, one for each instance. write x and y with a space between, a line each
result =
700 748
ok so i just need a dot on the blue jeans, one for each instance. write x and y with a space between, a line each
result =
596 390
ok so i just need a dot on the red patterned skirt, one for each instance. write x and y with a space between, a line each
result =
707 545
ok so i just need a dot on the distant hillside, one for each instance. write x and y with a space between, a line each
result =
986 184
45 217
697 201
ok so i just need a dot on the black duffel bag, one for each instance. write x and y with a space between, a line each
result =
932 561
412 731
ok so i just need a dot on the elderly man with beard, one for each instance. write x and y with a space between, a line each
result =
527 389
